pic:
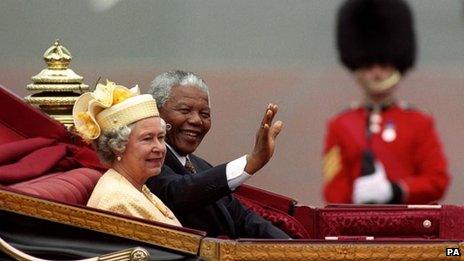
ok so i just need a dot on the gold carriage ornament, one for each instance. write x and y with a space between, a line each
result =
56 88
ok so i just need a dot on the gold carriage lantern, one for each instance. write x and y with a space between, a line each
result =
56 88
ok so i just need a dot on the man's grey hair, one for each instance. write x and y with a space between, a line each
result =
112 143
161 86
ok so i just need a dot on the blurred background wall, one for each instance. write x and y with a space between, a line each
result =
250 53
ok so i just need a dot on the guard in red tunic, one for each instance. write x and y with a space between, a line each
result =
381 151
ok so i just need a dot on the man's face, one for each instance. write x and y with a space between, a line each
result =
378 80
188 112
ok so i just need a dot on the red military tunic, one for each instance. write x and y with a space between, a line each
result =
414 159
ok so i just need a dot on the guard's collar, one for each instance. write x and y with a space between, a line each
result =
382 106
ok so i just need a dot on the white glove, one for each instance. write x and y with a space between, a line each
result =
374 188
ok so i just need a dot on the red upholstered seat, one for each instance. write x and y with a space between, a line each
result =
40 167
25 121
273 207
382 222
276 201
73 187
37 155
280 219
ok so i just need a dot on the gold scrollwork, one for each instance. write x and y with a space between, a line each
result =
236 250
77 87
94 220
51 100
131 254
140 254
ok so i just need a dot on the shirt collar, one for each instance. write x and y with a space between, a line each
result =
181 159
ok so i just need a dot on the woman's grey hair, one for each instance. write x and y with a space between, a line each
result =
112 143
161 86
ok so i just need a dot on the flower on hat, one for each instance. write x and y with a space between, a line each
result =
88 129
120 95
89 104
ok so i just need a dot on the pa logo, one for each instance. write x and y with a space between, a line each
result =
453 251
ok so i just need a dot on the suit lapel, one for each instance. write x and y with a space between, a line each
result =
221 204
174 163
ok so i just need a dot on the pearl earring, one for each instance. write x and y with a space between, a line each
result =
118 158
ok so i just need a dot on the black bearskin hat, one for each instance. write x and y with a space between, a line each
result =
376 31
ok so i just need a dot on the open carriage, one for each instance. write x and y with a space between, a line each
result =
47 175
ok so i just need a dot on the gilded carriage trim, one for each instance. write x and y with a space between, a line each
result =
50 101
56 88
214 249
131 254
93 220
50 87
209 249
57 77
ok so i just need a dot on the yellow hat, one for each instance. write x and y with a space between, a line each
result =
109 107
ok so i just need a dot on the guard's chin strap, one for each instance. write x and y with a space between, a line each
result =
377 87
385 84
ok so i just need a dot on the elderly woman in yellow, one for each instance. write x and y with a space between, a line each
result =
128 135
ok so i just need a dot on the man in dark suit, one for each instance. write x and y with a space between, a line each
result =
198 193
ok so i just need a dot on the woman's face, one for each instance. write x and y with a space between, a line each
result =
145 150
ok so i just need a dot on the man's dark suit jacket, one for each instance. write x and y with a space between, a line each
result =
203 201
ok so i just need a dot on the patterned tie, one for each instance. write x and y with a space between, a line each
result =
189 166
